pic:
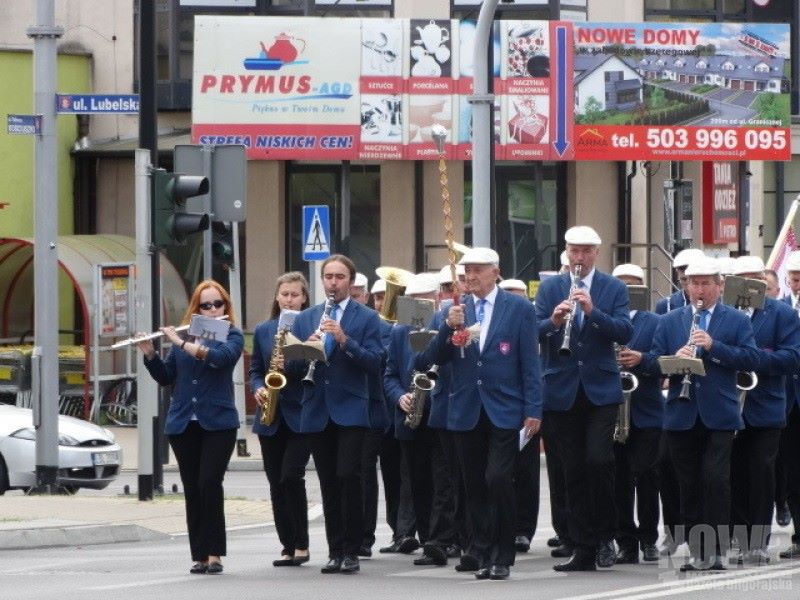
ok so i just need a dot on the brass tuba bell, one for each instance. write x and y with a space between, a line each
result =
396 282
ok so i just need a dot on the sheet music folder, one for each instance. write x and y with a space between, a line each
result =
680 365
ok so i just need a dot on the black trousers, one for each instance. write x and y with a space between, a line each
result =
781 473
791 442
338 452
383 446
670 493
487 455
461 534
753 456
559 513
702 460
636 478
285 456
584 441
526 487
202 461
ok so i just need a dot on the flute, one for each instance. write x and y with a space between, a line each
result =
152 336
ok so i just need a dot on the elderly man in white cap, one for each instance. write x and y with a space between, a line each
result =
358 291
582 390
446 282
636 473
564 262
700 428
755 448
515 286
679 263
495 393
378 291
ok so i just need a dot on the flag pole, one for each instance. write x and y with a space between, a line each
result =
779 242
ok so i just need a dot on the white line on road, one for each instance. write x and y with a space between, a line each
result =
141 583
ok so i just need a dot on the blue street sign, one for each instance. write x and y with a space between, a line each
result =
89 104
316 233
24 124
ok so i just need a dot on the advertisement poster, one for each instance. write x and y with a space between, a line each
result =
114 300
373 89
720 202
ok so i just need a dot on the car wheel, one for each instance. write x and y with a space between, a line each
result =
3 476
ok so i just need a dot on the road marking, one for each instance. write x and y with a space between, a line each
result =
143 582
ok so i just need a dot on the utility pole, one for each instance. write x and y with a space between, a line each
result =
45 249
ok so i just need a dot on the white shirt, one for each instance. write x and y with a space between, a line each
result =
587 280
341 309
488 309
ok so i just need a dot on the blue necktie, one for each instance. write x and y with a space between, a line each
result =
479 310
330 341
579 308
704 318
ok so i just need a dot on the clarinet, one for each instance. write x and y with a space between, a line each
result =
687 379
575 277
326 314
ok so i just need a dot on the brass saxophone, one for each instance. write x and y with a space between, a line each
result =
630 383
421 385
274 380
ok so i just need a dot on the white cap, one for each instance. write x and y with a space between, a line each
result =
564 259
361 281
704 266
727 265
684 257
480 256
513 284
444 273
630 270
793 262
582 235
748 264
422 283
379 287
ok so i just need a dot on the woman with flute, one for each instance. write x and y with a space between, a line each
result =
202 420
283 448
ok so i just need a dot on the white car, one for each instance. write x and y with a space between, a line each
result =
88 455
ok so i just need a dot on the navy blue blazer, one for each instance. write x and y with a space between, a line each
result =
676 300
792 380
714 397
342 391
440 394
777 333
593 362
397 378
203 388
647 404
379 410
289 406
503 379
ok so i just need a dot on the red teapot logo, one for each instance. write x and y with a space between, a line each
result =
284 48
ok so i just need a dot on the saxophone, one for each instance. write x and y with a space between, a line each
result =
421 385
274 381
630 382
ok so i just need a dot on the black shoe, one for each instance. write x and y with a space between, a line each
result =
391 548
554 542
650 553
214 568
606 555
334 565
792 551
453 551
482 573
694 564
407 545
468 563
428 561
737 558
283 562
668 548
499 572
715 564
435 552
757 558
198 568
626 556
300 560
350 564
365 551
578 562
522 543
782 514
562 551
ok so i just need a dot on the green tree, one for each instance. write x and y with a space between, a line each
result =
657 97
592 109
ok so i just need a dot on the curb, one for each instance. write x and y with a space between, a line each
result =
82 535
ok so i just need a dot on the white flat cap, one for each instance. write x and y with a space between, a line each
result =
684 257
704 266
361 281
379 287
582 235
727 264
564 259
630 270
480 256
793 262
748 264
513 284
444 273
423 283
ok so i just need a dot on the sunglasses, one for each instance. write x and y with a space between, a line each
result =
210 305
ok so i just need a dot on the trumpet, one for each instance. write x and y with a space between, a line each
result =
274 380
575 278
308 380
421 385
687 379
630 383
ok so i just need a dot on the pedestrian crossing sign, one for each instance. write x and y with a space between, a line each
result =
316 232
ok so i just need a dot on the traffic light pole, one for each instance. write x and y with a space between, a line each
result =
234 282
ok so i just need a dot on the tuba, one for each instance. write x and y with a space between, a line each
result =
421 385
575 278
686 383
308 380
630 383
274 381
396 282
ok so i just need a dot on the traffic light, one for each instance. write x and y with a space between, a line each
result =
172 222
222 243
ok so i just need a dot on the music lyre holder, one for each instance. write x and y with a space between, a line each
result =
639 297
417 313
743 293
681 365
